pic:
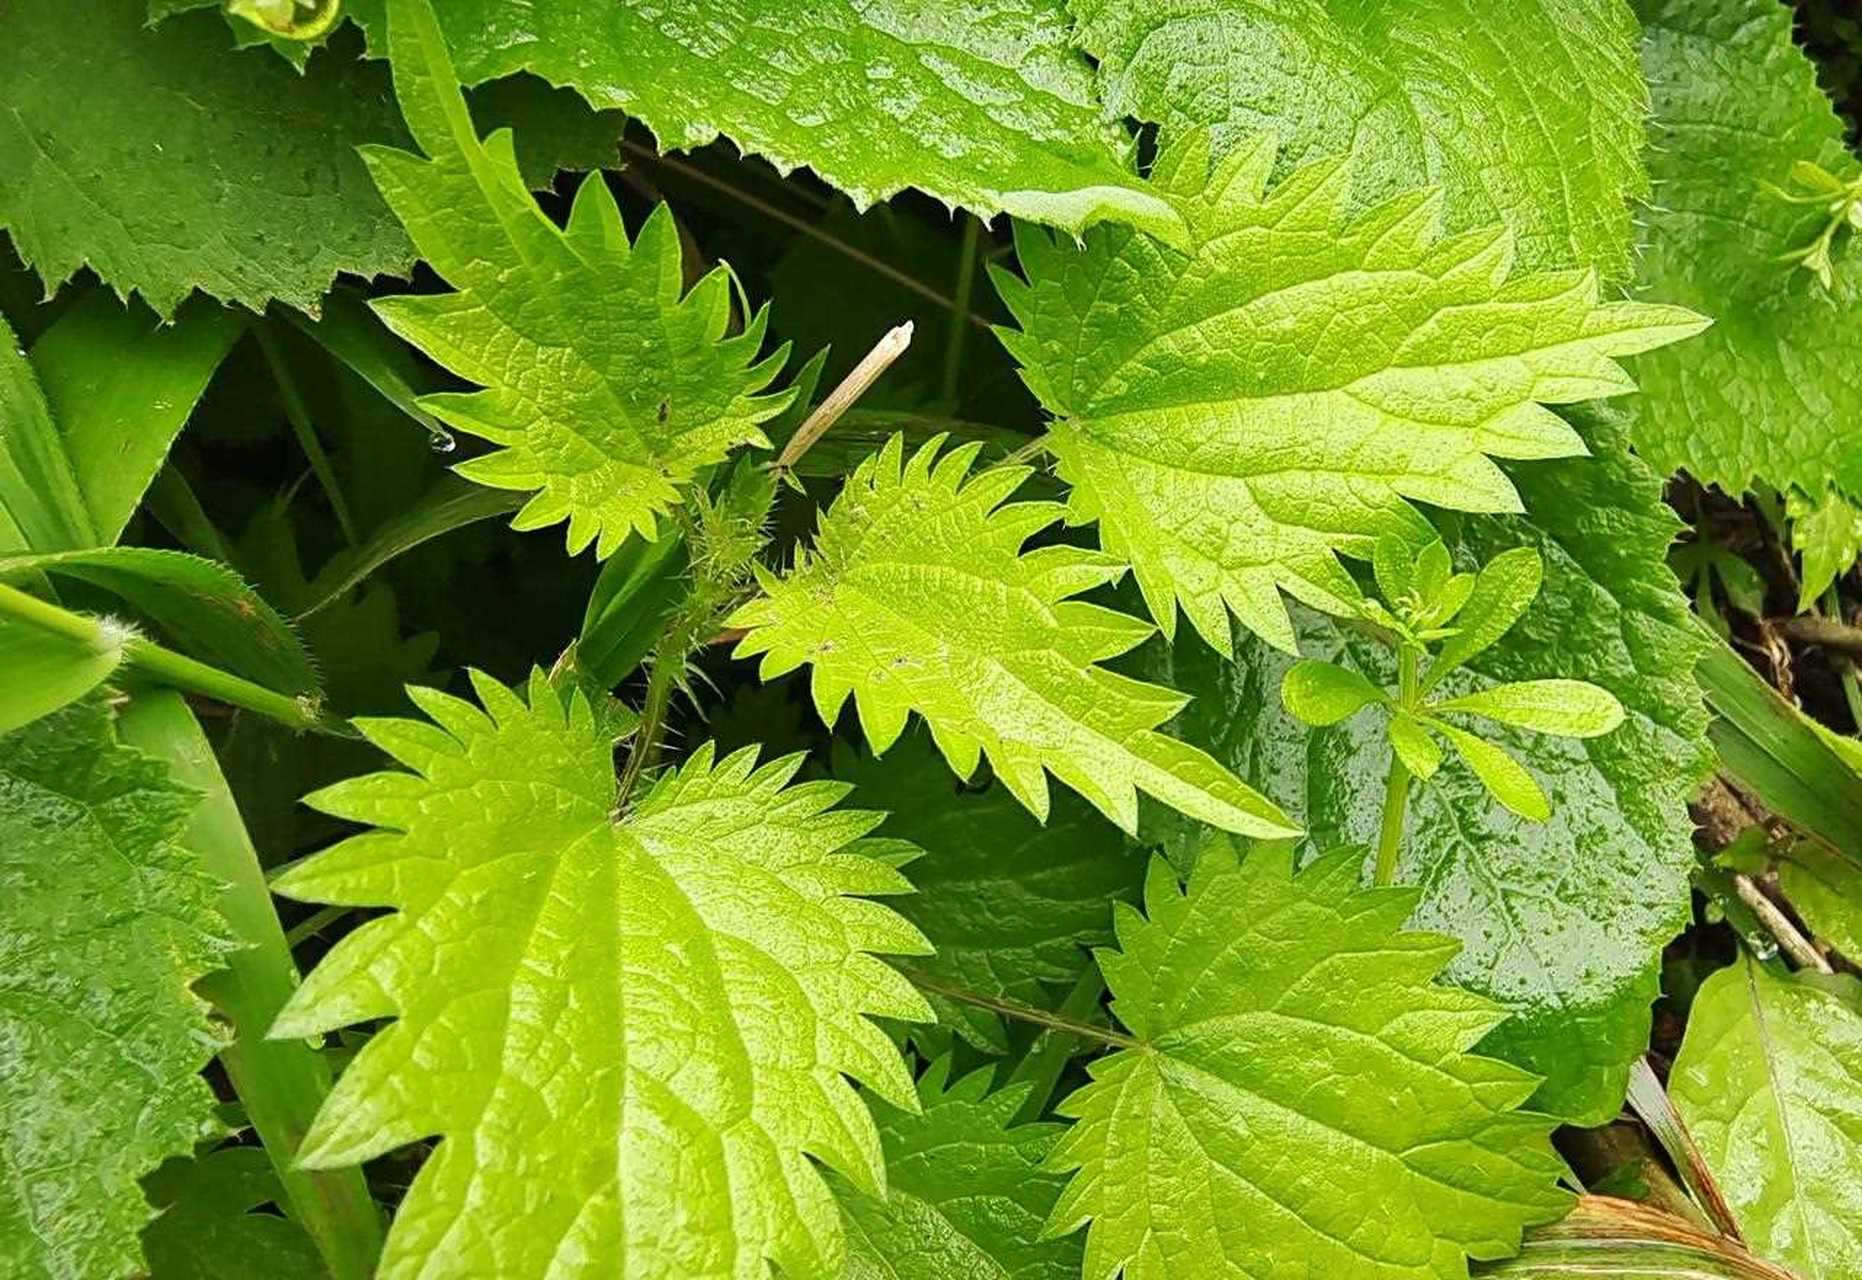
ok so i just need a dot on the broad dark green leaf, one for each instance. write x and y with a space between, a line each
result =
1769 1080
1773 390
966 1195
208 1230
182 164
1529 114
980 103
107 922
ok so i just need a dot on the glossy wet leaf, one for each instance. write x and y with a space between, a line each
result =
1446 93
1010 904
208 1230
981 105
1769 1080
967 1196
107 923
184 165
1771 392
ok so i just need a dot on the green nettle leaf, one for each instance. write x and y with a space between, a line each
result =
107 923
1448 93
967 1196
1774 390
183 164
654 1017
1235 413
917 596
980 103
1010 904
208 1231
1562 920
607 390
1769 1080
1302 1100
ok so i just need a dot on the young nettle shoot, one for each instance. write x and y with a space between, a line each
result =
1429 609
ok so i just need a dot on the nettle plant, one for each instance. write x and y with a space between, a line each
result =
843 862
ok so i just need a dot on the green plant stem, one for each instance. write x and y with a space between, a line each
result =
168 667
315 924
1024 453
960 309
281 1083
299 415
1048 1056
667 662
1019 1011
1396 785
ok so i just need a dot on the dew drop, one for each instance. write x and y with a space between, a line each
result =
442 442
1764 947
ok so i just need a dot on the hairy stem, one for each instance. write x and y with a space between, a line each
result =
315 924
282 1083
1396 785
165 666
664 673
1019 1011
